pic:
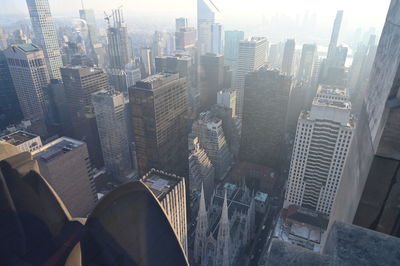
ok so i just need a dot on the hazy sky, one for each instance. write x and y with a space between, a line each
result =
361 13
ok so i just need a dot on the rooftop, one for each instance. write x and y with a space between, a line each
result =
18 137
160 183
56 148
332 90
28 47
332 103
260 196
156 80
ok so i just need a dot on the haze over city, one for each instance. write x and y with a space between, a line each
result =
201 132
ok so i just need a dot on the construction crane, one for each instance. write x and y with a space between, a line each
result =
108 17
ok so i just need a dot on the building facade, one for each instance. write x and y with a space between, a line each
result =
46 35
231 47
288 57
170 190
252 53
210 133
159 114
320 150
29 73
308 57
79 84
201 170
10 110
211 79
266 98
65 164
109 108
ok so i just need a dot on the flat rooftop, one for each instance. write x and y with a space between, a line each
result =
332 90
17 138
56 148
156 80
332 103
160 183
28 47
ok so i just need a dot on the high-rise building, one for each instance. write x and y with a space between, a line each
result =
147 62
227 98
170 190
205 19
266 98
65 165
308 57
288 57
133 73
216 38
210 133
231 47
10 110
109 108
88 16
335 33
320 150
117 34
79 84
369 187
118 53
332 69
29 74
211 79
252 54
181 23
45 35
185 39
201 170
24 141
159 110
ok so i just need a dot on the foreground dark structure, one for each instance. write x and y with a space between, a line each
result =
127 227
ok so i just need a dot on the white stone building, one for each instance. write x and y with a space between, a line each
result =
321 146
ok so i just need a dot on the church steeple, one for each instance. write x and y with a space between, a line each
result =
223 242
201 229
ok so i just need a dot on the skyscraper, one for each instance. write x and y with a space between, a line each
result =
252 54
133 73
10 110
80 83
181 23
29 74
210 133
231 47
170 190
201 170
117 41
288 57
65 164
185 39
332 68
88 16
45 35
205 18
147 62
109 108
308 57
211 79
159 110
216 38
118 54
335 33
320 151
266 98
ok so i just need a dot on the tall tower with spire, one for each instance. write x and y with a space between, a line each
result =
223 242
201 230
